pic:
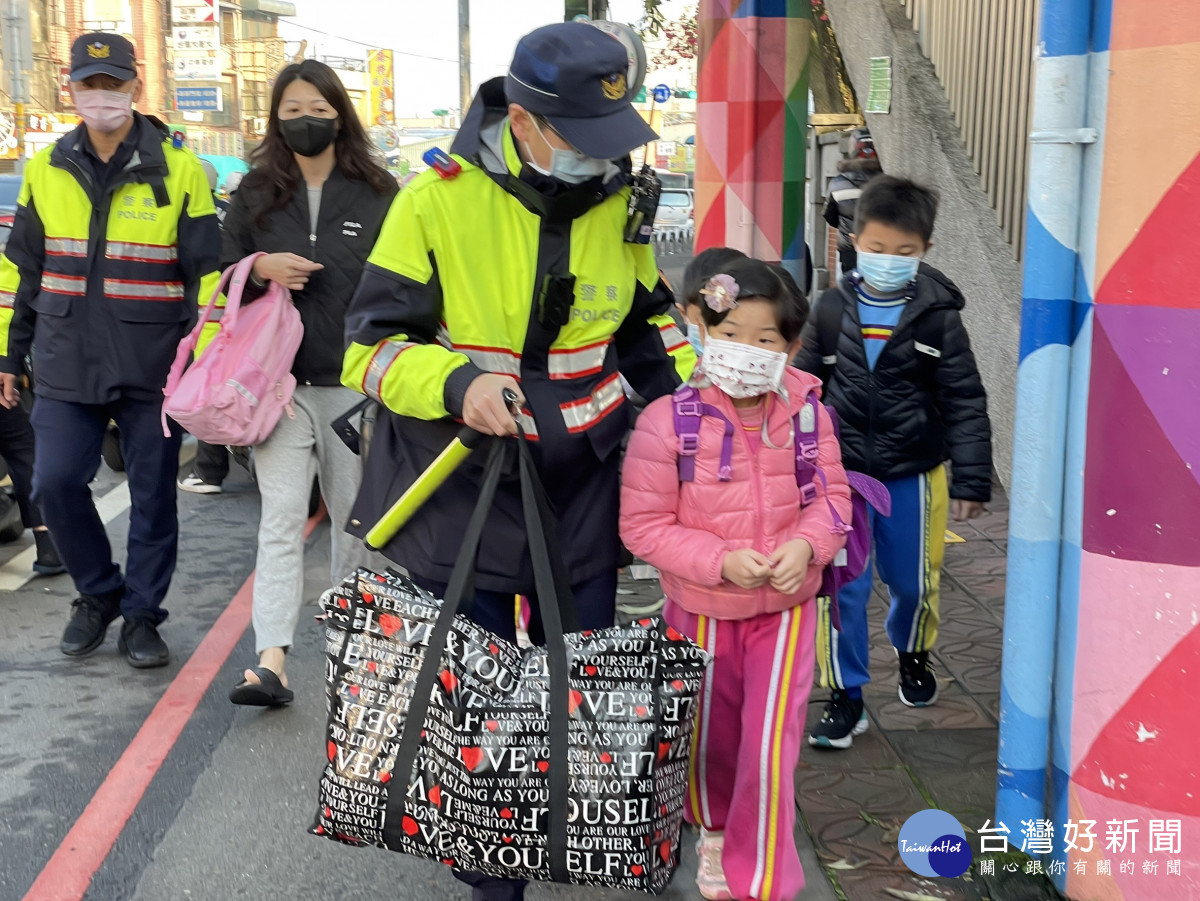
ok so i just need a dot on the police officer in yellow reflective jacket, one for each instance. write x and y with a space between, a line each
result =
514 273
115 237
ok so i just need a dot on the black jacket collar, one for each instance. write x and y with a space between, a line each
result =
148 134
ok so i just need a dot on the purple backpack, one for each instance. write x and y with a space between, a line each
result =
865 491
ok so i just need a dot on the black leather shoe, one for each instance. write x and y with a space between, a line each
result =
88 626
142 646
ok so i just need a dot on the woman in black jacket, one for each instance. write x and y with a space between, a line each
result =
313 203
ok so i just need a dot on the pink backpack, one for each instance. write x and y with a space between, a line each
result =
242 383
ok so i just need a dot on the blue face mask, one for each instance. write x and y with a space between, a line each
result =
887 271
694 339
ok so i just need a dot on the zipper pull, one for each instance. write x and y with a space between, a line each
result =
312 241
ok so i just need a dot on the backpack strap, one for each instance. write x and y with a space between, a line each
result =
829 326
688 411
804 427
808 473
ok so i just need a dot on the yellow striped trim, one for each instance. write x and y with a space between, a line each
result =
824 645
877 332
937 503
694 756
776 751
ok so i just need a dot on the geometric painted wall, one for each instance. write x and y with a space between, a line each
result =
1126 669
1135 730
752 126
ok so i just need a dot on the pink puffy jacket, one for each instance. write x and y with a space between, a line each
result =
685 529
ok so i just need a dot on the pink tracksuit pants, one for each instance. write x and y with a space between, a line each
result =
747 743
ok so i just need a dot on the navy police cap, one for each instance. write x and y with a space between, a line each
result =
101 53
576 77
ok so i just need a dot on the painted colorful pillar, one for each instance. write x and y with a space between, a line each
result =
751 127
1124 730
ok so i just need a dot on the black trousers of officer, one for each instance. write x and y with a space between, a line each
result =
69 436
16 447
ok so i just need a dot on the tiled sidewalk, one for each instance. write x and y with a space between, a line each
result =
854 802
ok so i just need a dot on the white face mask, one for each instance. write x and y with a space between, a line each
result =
570 166
741 370
104 111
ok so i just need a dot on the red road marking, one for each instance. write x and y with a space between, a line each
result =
68 874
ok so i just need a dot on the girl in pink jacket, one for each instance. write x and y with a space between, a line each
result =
740 558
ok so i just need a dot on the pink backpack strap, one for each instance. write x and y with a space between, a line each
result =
688 411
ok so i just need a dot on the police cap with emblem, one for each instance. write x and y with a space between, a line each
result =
101 53
576 77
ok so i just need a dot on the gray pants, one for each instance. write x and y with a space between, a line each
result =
285 464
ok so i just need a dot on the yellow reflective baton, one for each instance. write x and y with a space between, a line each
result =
419 491
427 483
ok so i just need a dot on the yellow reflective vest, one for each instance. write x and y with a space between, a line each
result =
464 280
100 279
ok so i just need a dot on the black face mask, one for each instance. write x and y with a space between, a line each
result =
308 135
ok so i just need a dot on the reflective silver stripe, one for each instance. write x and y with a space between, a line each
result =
66 247
131 290
846 194
7 298
528 425
490 359
385 355
582 414
216 314
578 362
672 338
149 253
64 284
243 391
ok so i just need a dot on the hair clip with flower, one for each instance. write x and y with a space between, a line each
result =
721 293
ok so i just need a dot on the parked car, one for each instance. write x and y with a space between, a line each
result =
10 189
674 209
669 179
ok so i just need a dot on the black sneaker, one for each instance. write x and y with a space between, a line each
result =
918 685
48 563
89 623
141 645
843 719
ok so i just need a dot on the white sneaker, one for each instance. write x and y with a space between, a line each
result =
710 875
197 485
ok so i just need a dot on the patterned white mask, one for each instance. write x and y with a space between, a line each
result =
741 370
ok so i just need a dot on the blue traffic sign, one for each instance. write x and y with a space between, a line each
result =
198 100
662 93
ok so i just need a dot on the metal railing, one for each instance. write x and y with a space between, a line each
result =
983 53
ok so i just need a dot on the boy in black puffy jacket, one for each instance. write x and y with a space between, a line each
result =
893 353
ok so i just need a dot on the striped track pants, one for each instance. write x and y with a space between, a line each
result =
747 743
909 547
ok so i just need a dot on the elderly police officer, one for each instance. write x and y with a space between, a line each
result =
115 238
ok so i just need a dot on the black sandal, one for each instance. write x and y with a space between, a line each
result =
270 692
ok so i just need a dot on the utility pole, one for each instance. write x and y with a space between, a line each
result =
464 58
15 26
